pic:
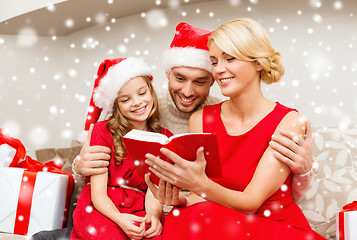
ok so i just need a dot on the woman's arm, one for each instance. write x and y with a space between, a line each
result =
296 152
268 178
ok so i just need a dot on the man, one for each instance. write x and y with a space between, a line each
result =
188 70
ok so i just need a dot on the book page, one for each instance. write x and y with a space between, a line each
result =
185 134
147 136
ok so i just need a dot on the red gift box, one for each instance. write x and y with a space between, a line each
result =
346 221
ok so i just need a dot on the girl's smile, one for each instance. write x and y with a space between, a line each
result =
136 102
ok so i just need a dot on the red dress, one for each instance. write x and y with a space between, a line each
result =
278 217
88 223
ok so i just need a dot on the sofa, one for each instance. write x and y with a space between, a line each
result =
334 186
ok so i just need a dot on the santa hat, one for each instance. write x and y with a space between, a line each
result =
112 75
188 49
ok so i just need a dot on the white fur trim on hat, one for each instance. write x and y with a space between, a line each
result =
116 77
186 57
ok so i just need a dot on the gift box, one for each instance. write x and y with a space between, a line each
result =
346 221
47 205
33 196
7 154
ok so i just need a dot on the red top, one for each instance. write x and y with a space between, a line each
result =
239 157
241 154
126 172
90 224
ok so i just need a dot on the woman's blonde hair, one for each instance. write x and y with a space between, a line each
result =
247 40
119 125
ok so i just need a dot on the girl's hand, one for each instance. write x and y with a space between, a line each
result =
183 173
133 226
166 193
155 226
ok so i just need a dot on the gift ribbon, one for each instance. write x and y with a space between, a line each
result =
14 143
26 191
341 219
24 202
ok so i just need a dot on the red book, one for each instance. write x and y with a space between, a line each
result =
138 143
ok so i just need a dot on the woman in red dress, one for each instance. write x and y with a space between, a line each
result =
116 205
253 198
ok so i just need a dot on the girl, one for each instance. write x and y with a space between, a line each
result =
114 205
253 199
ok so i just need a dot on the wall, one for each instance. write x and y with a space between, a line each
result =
13 8
47 107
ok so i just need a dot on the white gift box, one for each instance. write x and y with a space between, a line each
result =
7 154
48 201
349 226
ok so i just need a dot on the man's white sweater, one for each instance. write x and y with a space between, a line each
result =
174 120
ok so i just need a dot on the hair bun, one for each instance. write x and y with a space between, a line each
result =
275 70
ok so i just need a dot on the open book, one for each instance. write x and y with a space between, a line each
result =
138 143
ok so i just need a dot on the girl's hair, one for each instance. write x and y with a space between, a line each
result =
119 125
247 40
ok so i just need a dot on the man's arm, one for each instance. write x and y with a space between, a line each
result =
92 160
296 153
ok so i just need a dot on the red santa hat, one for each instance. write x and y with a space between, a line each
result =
188 49
112 75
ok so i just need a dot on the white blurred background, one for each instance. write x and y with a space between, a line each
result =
50 52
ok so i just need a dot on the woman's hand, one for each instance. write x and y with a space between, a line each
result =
166 193
155 226
133 226
183 173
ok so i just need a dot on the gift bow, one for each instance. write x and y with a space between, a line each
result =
51 166
14 143
341 220
350 207
36 166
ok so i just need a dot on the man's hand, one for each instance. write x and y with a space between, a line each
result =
92 160
293 150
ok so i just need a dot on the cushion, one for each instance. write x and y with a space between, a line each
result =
65 155
336 183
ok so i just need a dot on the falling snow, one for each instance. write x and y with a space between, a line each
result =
284 187
267 213
89 209
175 212
92 230
47 81
156 19
27 37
